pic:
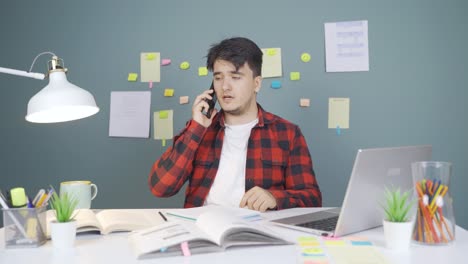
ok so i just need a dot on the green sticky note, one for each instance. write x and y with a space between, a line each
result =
307 239
163 142
163 114
202 71
132 77
305 57
184 65
150 56
295 76
271 52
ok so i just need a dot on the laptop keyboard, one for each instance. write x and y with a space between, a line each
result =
327 224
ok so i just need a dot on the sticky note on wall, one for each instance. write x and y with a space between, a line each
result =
150 68
163 124
168 92
338 113
183 100
276 84
304 102
272 65
202 71
132 77
295 76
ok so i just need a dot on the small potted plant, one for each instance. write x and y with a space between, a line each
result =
63 229
398 225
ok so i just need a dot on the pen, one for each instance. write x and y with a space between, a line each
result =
163 217
13 218
46 200
38 196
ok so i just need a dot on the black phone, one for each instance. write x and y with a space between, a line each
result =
211 103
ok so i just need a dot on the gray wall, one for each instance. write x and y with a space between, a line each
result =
414 93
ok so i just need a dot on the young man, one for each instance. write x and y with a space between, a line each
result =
242 156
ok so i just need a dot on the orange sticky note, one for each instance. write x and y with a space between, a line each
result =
304 102
183 100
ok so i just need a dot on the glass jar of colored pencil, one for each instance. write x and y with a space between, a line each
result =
435 221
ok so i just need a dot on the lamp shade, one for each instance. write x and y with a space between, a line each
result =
60 101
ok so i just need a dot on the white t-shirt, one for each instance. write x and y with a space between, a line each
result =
229 184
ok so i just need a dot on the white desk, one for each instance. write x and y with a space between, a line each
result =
114 248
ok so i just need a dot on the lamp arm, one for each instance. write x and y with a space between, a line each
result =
39 76
29 74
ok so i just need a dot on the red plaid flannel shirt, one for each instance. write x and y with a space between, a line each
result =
277 160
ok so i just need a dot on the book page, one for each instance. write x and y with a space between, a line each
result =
85 220
216 223
229 230
195 212
168 236
114 220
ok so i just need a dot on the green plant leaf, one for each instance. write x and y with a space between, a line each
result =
64 206
397 205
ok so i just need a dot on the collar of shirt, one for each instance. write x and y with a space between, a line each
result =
264 117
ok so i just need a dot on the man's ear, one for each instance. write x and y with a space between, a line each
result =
258 83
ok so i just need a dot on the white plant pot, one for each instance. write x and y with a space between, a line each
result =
63 234
398 234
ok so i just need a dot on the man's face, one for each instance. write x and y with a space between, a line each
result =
235 89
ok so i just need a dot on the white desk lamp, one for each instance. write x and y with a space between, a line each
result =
59 101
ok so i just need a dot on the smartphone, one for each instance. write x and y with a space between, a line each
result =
211 103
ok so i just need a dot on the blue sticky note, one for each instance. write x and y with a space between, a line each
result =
361 243
275 84
163 249
338 130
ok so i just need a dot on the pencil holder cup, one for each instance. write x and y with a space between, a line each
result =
24 227
435 220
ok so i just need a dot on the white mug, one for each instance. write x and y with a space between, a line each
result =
83 191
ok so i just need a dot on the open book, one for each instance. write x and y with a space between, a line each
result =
213 231
111 220
194 212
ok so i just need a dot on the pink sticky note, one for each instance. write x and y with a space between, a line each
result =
165 62
150 84
185 249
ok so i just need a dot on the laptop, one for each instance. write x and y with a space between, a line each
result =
373 170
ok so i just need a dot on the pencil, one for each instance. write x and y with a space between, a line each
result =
162 215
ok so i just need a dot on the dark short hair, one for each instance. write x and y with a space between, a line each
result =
237 51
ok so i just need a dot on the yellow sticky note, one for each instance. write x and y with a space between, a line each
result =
202 71
183 100
272 66
132 77
309 244
163 114
150 67
150 56
335 243
305 57
338 113
295 76
163 127
184 65
168 92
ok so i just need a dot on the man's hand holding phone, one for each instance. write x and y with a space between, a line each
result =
203 109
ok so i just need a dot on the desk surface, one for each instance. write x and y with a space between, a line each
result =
114 248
